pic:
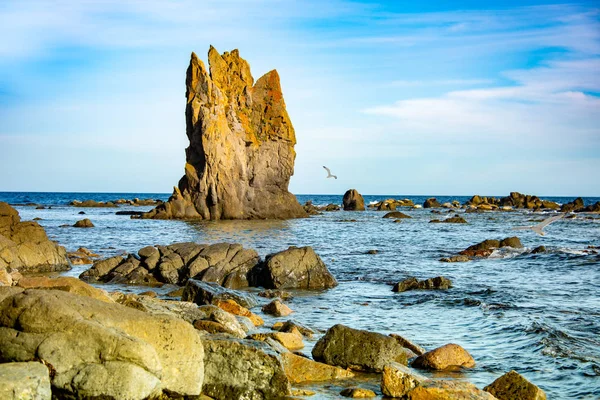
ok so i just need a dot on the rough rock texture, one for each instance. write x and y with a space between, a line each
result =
358 350
437 283
397 380
457 219
301 369
24 246
24 381
242 369
353 201
575 205
485 248
431 203
449 356
65 283
277 308
227 264
514 200
447 390
514 386
211 293
241 153
396 215
99 350
357 393
299 268
415 348
84 223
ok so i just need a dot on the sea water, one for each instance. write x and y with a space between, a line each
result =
538 314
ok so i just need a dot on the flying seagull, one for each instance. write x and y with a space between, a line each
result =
329 175
539 227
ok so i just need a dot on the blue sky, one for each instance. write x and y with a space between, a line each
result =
395 97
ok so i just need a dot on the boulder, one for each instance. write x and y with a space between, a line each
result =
512 385
301 369
277 308
449 356
437 283
358 350
358 393
353 201
396 215
431 203
84 223
298 268
241 153
397 380
452 220
25 247
289 340
242 369
24 380
538 250
232 307
415 348
65 283
100 350
292 325
211 293
447 390
485 248
574 205
272 293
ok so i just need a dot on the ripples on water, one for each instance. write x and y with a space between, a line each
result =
536 313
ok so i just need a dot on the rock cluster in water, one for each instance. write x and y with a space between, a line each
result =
241 153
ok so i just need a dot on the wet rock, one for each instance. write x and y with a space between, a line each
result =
437 283
538 250
301 369
331 207
453 220
295 267
485 248
211 293
431 203
277 308
24 380
244 171
291 325
242 369
396 215
99 349
372 252
415 348
25 247
92 203
84 223
397 380
574 205
228 322
310 208
592 208
449 356
513 242
512 385
447 390
353 201
271 294
137 213
459 258
358 350
357 393
289 340
231 306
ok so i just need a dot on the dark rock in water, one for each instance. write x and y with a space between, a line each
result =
453 220
358 350
271 294
459 258
40 208
37 219
81 213
485 248
210 293
591 208
513 242
575 205
396 215
299 268
449 356
539 249
415 348
24 247
357 393
84 223
353 201
129 213
514 386
331 207
277 308
310 208
290 325
431 203
92 203
242 369
243 172
437 283
372 252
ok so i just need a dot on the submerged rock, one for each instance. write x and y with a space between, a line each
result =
25 247
452 220
358 350
485 248
437 283
357 393
241 153
353 201
396 215
449 356
512 385
84 223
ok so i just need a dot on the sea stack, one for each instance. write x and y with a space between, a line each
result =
241 153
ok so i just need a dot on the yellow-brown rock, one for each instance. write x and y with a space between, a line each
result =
66 284
449 356
241 153
357 393
514 386
231 306
397 380
289 340
301 369
447 390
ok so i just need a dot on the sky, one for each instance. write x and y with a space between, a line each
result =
448 97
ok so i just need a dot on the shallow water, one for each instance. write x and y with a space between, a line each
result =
538 314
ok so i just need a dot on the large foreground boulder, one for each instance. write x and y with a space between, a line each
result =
241 153
296 267
25 247
24 380
353 201
242 369
99 350
512 385
358 350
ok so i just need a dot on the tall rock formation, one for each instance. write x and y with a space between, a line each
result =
241 153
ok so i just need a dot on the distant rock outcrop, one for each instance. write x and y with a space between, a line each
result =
241 153
25 247
353 201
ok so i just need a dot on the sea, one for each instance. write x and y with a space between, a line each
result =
537 314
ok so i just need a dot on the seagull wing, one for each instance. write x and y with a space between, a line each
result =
327 169
550 220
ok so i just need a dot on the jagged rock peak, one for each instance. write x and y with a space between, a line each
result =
241 153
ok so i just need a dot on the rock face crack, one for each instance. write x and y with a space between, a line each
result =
241 153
